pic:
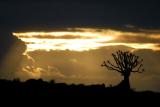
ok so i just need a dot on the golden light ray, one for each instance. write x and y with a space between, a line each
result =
82 39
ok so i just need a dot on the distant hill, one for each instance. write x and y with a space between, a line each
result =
39 89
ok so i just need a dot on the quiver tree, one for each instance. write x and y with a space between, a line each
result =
125 63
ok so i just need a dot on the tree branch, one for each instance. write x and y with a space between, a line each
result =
125 62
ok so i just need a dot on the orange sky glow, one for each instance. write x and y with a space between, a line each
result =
83 39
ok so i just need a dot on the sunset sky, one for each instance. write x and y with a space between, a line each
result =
68 40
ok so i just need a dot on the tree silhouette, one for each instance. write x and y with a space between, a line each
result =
125 63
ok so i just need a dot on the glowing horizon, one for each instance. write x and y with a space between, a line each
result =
81 39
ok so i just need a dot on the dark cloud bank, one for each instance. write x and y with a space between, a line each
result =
22 15
11 50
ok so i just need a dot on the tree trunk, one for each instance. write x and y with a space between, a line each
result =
124 85
126 82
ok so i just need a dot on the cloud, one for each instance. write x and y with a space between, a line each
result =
11 55
78 66
81 39
84 67
56 37
47 73
74 66
150 78
138 38
33 15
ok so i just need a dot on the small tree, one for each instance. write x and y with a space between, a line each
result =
125 63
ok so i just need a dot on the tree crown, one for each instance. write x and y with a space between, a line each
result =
125 62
